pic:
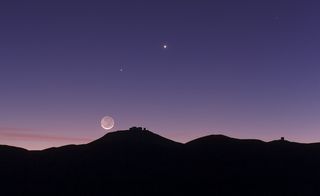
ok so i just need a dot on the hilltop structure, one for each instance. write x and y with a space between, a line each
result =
137 129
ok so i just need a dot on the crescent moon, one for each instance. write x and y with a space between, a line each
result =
107 122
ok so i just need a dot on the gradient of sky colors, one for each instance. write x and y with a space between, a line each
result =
247 69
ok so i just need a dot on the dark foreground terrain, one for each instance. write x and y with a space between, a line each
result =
136 162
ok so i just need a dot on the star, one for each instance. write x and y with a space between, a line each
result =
165 46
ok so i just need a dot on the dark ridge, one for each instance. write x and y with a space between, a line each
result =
4 148
285 142
132 136
134 142
139 162
214 140
66 147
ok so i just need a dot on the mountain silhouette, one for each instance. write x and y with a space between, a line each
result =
132 138
139 162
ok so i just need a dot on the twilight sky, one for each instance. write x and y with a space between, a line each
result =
247 69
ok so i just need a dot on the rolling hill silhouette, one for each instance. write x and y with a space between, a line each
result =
139 162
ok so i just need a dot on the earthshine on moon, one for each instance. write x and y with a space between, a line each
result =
107 122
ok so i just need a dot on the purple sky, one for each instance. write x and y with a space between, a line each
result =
247 69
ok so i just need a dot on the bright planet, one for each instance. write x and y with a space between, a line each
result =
107 122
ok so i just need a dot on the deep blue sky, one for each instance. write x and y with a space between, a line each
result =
247 69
